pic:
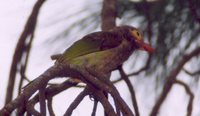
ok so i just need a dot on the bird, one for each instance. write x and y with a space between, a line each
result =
104 51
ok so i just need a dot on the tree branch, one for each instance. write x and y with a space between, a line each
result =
131 89
50 92
117 109
94 108
108 17
23 67
42 101
138 71
103 100
171 78
28 30
191 73
63 71
106 86
109 14
189 92
49 105
193 11
76 102
29 90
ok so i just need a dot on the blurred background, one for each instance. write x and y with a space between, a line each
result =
171 26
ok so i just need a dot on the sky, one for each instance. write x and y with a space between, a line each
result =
13 15
12 19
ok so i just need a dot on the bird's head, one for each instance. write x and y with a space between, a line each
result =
133 35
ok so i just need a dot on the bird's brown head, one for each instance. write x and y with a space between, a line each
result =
133 35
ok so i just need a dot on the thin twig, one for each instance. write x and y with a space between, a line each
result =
117 109
49 105
189 92
24 66
103 100
131 89
138 71
76 102
145 67
191 73
29 28
94 108
56 56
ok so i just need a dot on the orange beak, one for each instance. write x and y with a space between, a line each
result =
146 47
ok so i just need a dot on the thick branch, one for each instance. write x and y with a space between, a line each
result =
63 70
171 78
42 101
50 92
108 87
52 72
108 14
108 17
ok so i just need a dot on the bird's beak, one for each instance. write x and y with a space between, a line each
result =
146 47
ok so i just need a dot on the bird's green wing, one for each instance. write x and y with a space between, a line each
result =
91 43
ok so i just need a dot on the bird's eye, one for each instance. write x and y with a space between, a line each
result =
136 34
